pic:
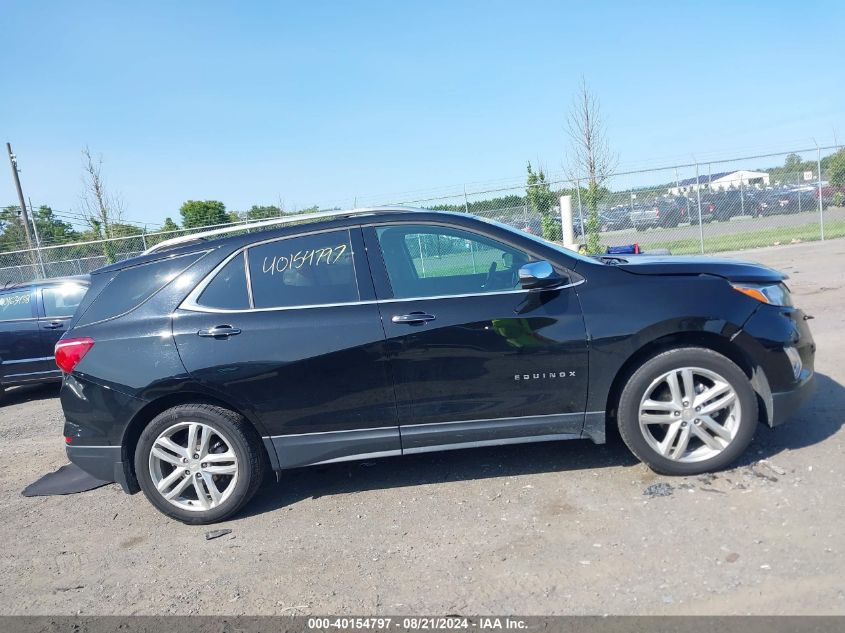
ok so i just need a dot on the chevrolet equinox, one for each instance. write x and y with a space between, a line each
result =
191 370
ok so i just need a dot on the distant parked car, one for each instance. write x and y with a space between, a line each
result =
665 212
33 316
725 205
776 202
615 219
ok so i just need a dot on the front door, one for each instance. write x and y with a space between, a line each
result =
288 330
477 360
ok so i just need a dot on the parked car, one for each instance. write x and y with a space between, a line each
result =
193 369
32 318
725 205
780 201
776 202
665 212
615 219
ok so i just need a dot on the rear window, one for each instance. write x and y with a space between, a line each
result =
130 287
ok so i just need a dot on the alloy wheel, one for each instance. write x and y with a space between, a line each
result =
689 414
193 466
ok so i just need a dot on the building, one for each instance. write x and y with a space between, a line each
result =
721 182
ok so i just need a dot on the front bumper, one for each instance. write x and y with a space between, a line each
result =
785 403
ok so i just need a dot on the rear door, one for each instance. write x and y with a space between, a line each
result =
21 354
290 330
56 304
476 359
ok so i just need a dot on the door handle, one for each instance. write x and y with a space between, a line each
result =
53 325
413 318
220 332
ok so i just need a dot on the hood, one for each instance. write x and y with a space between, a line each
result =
731 269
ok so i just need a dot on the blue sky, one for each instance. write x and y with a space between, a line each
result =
326 102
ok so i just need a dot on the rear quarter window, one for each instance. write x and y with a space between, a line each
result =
227 290
130 287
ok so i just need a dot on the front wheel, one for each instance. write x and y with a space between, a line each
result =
687 411
199 463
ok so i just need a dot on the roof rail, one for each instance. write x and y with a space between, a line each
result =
262 224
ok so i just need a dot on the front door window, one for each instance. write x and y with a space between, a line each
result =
431 261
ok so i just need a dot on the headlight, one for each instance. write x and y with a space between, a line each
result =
773 294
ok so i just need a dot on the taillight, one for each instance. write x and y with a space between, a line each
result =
70 351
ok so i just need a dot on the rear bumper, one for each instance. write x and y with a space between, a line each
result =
103 462
786 403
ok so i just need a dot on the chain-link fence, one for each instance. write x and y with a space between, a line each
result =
703 207
77 258
708 207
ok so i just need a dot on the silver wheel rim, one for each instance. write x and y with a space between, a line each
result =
689 414
193 466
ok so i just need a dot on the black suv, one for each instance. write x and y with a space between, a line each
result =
191 370
32 318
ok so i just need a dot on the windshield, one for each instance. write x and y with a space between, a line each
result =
540 240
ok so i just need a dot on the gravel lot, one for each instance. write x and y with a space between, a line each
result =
534 529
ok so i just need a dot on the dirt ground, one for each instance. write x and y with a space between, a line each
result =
556 528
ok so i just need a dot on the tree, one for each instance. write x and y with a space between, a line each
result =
792 163
591 158
257 212
51 230
541 200
169 225
197 213
100 208
836 168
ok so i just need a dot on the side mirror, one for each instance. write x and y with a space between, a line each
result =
539 275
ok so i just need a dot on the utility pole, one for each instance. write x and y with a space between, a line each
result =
13 161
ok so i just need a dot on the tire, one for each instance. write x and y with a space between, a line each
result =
650 441
234 453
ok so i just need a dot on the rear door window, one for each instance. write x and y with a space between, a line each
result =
16 305
309 270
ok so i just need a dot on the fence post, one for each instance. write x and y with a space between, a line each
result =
700 224
821 207
580 212
567 234
37 239
144 237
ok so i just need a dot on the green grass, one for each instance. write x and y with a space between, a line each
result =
755 239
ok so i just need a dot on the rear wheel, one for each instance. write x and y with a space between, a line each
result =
199 463
687 411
